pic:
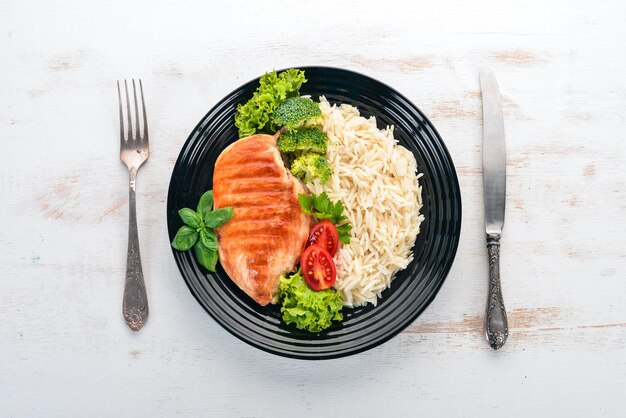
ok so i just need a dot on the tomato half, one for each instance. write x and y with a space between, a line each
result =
318 268
325 235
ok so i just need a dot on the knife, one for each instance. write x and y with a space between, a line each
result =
494 189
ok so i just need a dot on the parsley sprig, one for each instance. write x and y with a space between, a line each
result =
198 230
323 208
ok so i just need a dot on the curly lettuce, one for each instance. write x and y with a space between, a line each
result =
254 116
308 309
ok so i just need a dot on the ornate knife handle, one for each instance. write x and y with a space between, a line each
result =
496 326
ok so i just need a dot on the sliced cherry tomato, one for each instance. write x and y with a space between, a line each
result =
318 268
325 235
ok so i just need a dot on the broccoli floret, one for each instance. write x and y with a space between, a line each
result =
295 111
309 166
308 139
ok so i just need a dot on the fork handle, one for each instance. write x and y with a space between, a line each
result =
496 325
135 302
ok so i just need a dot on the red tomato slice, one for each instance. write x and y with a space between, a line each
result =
325 235
318 268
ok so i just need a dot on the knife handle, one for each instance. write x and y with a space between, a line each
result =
496 326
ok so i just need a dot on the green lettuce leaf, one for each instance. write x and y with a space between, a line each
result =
308 309
254 116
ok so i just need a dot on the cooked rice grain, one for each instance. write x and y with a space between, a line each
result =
377 181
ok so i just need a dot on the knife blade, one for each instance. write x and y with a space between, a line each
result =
494 190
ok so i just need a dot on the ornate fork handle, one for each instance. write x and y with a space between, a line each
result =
135 303
496 326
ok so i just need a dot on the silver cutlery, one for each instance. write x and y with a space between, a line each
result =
133 152
494 188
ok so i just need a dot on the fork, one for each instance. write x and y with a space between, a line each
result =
133 152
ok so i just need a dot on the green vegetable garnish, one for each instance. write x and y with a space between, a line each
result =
308 309
294 112
190 217
323 208
198 230
254 116
309 166
208 238
205 256
218 217
185 238
304 140
205 203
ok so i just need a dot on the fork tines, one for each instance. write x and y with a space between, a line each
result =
129 118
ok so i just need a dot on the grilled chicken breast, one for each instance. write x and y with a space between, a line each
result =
268 231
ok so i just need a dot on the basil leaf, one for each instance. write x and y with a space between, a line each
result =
208 239
185 238
205 204
218 217
205 257
190 217
306 203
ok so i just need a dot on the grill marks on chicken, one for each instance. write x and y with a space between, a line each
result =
268 231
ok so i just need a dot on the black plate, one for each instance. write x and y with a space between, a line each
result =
413 288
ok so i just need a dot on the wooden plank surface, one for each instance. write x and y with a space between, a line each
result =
64 348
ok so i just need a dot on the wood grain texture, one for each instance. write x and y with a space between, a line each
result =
64 347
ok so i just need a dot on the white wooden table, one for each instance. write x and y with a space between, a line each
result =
64 348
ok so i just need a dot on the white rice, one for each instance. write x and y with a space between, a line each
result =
377 181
